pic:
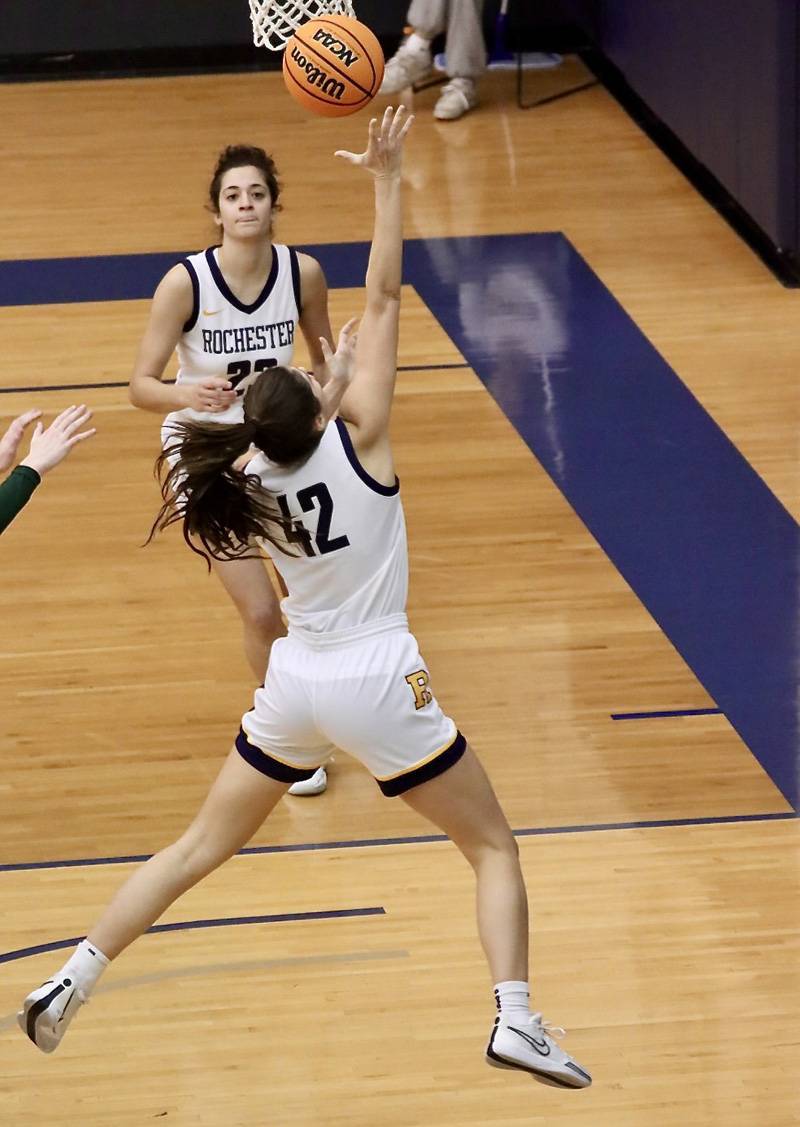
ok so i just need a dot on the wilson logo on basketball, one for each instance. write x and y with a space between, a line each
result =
335 46
333 65
315 76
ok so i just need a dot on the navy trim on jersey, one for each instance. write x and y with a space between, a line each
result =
352 457
430 770
229 296
190 270
266 765
298 295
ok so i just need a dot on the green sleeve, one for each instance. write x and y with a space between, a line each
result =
15 492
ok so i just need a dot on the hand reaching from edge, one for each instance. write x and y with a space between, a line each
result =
384 152
9 443
51 446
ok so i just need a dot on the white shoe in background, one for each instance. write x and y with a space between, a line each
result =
457 98
407 66
317 784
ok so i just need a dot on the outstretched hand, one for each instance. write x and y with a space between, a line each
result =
9 443
384 153
339 365
340 368
51 446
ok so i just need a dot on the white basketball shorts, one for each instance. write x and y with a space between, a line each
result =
368 694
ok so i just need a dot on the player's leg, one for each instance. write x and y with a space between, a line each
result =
252 593
239 801
237 804
413 60
462 803
256 589
466 59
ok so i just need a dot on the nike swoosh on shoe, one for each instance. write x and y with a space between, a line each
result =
541 1047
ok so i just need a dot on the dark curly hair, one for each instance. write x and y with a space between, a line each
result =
240 156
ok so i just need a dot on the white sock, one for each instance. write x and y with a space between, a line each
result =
85 966
513 1000
417 42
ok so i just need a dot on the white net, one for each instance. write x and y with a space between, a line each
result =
276 21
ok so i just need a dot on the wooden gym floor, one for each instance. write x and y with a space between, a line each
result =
344 983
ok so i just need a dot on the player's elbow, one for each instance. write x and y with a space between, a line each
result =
383 298
134 395
137 391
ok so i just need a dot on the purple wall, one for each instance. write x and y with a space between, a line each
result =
32 27
723 75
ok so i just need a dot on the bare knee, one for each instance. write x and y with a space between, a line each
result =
199 853
499 847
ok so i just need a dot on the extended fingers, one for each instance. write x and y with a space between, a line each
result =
80 437
82 415
383 138
22 421
68 416
70 420
388 117
395 121
405 127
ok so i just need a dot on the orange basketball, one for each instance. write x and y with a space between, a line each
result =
333 65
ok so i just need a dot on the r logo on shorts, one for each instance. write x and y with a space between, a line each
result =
419 682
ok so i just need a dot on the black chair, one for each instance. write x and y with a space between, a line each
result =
563 27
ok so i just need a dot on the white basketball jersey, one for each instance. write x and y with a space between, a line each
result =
349 532
223 337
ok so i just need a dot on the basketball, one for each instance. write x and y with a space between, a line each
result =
333 66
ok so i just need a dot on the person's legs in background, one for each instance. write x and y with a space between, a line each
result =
413 59
466 53
466 59
256 590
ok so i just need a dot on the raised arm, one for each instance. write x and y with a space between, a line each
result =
314 318
367 403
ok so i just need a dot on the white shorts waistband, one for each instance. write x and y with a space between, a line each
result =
332 639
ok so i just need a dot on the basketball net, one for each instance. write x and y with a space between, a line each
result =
276 21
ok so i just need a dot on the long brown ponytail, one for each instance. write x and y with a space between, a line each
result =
224 508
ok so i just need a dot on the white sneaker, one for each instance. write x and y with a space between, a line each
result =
47 1012
407 66
456 98
315 785
531 1047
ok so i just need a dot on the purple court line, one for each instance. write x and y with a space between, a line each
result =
64 387
192 925
669 712
421 839
124 383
